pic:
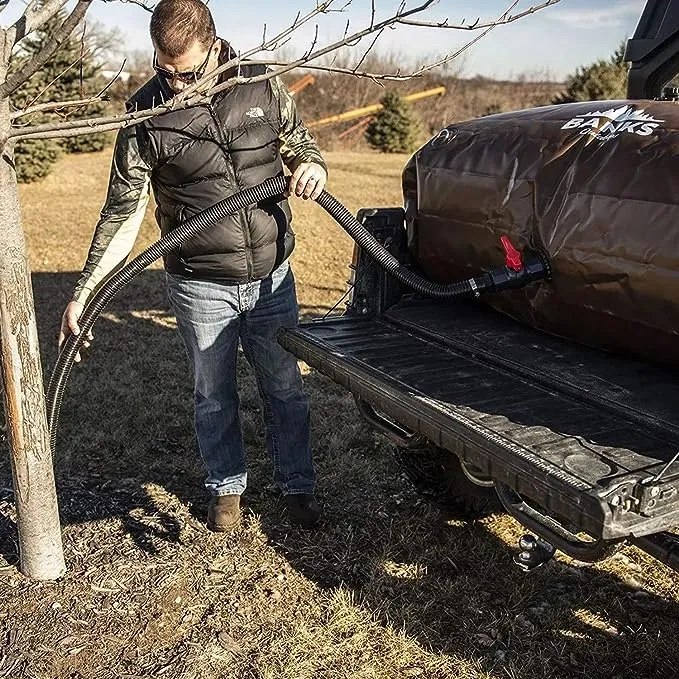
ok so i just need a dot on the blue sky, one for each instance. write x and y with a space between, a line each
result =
555 40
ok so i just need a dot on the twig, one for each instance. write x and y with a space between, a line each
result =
477 25
51 82
100 124
313 44
111 81
365 54
453 55
82 56
56 106
139 3
392 77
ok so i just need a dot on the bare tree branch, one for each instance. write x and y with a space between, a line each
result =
392 77
42 57
100 94
81 74
453 55
58 105
202 91
79 131
35 15
139 3
372 44
99 124
489 27
477 25
346 40
349 40
313 44
55 106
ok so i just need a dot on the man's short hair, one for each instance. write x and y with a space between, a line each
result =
176 24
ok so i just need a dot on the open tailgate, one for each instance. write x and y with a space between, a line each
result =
587 436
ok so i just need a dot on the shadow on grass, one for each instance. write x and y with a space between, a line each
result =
452 586
126 419
126 435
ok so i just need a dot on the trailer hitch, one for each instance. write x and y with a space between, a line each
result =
534 553
551 531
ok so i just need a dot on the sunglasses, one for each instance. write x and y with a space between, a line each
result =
184 76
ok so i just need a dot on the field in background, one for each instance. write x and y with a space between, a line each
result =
464 99
387 588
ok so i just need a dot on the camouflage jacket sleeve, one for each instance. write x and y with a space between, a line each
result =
121 216
297 144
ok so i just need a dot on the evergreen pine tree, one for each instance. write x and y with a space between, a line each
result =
394 129
604 79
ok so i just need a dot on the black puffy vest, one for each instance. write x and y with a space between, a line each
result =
203 154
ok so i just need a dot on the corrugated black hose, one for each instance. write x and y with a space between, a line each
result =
497 279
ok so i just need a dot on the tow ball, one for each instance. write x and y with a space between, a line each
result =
534 552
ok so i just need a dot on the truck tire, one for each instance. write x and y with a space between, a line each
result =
438 476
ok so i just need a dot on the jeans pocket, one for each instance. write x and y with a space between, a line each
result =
175 287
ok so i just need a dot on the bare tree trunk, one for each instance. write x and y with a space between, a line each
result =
24 400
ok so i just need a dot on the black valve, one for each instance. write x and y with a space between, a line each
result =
533 268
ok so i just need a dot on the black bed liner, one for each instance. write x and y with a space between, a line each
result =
580 432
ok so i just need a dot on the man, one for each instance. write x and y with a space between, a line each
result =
232 282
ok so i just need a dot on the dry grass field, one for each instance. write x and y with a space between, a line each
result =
386 589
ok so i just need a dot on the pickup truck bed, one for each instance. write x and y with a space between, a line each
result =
588 437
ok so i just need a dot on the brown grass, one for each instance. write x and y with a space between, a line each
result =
386 589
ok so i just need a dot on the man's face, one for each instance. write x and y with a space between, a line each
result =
182 71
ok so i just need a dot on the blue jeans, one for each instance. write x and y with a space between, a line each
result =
212 317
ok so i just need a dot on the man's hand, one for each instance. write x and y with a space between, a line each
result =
308 181
69 325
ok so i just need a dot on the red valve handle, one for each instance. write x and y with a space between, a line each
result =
513 258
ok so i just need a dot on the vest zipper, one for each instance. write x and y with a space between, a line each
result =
234 181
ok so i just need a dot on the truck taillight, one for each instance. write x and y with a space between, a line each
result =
353 267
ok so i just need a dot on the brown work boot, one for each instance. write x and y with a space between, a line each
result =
303 510
223 513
